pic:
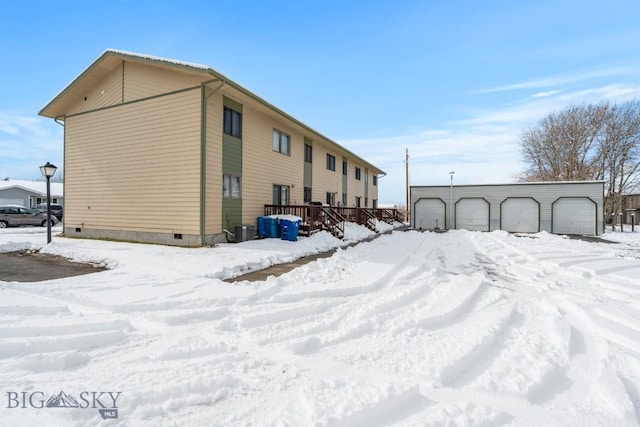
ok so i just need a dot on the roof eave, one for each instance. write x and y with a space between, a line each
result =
277 110
194 68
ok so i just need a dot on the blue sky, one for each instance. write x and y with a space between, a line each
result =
455 82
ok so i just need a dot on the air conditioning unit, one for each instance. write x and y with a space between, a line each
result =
245 232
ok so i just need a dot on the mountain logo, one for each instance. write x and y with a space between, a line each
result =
106 402
62 400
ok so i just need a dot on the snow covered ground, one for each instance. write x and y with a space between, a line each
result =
410 329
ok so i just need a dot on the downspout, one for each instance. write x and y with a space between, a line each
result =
203 152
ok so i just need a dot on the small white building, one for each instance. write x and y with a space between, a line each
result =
529 207
29 193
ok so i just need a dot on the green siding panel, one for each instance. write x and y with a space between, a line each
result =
308 168
232 165
366 183
228 102
231 213
231 155
308 174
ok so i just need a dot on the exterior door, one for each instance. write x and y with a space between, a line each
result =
520 215
429 214
472 214
574 215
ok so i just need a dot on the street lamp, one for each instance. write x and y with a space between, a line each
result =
48 171
451 200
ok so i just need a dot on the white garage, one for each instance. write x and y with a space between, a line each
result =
572 207
520 215
472 214
430 214
574 215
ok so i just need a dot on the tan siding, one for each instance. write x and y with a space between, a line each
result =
356 187
140 81
213 196
325 180
143 80
262 167
135 167
373 189
106 93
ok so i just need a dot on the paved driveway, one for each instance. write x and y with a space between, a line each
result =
33 267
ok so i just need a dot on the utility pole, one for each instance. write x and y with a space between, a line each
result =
407 185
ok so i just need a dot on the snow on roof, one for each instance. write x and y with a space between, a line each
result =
199 68
504 184
39 187
157 58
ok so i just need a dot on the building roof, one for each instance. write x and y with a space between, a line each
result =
55 108
510 183
38 187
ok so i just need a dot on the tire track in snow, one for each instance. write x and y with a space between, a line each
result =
590 329
457 314
393 409
348 318
529 289
481 356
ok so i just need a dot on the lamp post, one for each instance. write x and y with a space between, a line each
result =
451 200
48 170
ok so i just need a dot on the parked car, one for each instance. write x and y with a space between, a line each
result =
56 209
17 216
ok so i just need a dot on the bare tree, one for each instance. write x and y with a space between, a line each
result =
587 142
620 154
563 146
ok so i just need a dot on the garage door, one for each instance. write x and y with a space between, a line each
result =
520 215
429 214
472 214
574 215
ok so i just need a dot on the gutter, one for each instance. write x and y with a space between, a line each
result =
255 97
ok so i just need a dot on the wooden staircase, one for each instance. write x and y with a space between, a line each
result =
318 217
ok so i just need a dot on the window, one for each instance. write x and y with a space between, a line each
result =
44 200
366 202
358 174
307 194
358 201
232 122
308 153
281 142
331 199
230 187
344 168
375 179
344 199
280 194
375 203
331 162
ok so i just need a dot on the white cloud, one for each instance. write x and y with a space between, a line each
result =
26 142
482 148
545 94
561 80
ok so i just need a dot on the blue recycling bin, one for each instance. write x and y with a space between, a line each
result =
262 229
271 227
289 229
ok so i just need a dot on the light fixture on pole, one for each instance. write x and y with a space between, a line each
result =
48 170
451 200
